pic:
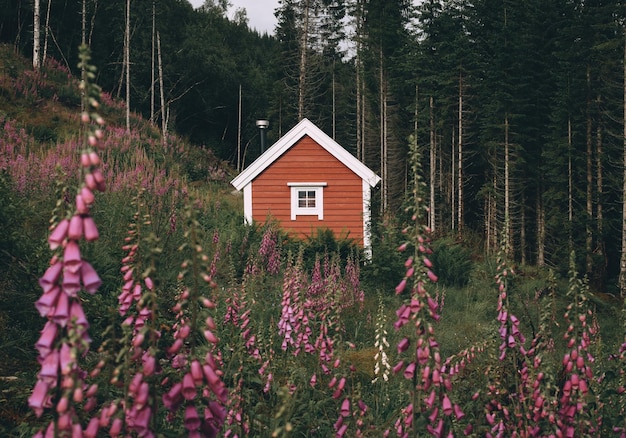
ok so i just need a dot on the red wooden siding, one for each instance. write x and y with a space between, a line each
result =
306 161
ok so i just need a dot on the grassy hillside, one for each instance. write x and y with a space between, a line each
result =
280 337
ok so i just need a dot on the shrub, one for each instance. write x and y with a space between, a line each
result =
452 263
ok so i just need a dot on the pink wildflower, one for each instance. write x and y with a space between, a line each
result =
46 340
192 421
89 229
46 303
39 399
59 234
91 280
71 257
50 277
75 230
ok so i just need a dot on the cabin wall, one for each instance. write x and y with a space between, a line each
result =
306 161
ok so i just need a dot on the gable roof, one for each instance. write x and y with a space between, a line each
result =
304 127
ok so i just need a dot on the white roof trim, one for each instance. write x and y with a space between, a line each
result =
305 127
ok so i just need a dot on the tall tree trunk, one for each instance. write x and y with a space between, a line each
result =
459 175
83 22
453 182
304 42
383 134
522 233
36 35
570 189
589 209
359 140
334 103
46 31
433 166
622 263
164 111
599 250
127 63
508 240
152 56
239 132
541 230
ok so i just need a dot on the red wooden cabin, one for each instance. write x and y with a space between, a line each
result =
307 181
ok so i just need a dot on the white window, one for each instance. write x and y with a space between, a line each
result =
307 199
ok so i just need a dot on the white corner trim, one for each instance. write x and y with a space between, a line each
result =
367 220
247 203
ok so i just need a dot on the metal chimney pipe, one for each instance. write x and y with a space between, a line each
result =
262 125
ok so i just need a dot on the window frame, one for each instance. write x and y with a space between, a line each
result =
318 189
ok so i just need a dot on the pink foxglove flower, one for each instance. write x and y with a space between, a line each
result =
81 206
49 368
92 428
71 283
77 315
345 408
61 312
75 231
90 278
71 257
38 400
46 341
192 421
87 195
189 387
59 234
51 277
90 229
46 303
67 359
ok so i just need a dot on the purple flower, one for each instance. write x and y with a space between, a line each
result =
189 387
92 428
90 229
49 368
61 312
401 286
59 234
87 195
192 421
50 277
91 280
75 230
71 283
432 276
447 405
39 399
345 408
174 397
67 359
403 345
46 303
71 257
46 340
409 371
